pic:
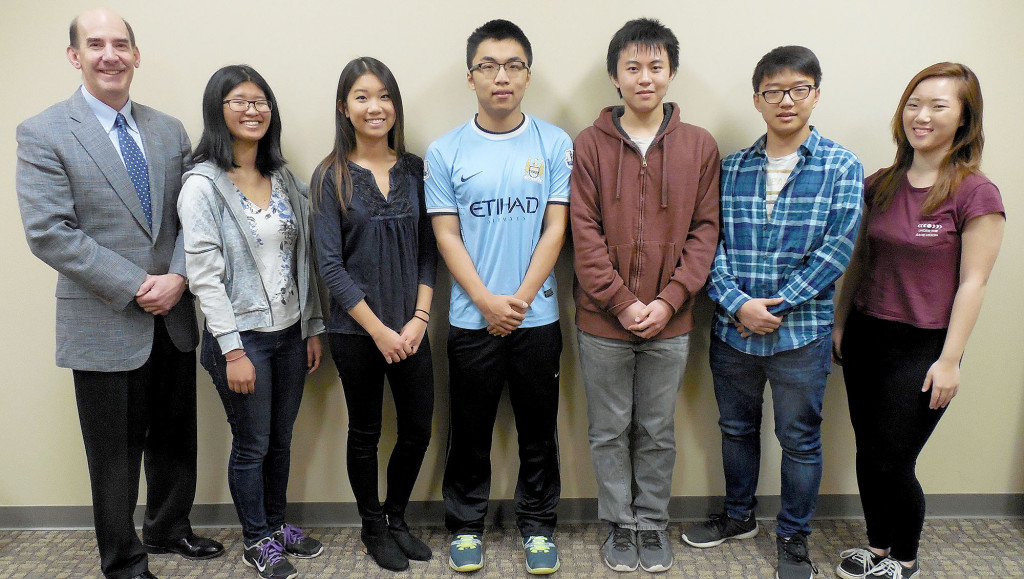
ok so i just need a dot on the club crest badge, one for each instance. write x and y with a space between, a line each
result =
568 158
534 170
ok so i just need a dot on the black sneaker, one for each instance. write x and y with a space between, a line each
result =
296 543
857 563
718 529
890 568
793 560
268 560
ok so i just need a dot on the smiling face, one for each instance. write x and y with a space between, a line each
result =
105 55
499 98
642 77
251 125
787 120
933 114
369 108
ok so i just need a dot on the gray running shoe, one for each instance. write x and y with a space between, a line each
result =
793 560
655 551
619 550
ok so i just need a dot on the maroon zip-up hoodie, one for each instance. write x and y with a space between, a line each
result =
643 227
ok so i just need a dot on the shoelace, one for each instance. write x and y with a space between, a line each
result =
292 534
858 555
270 553
890 568
463 542
621 539
651 540
717 522
538 544
799 557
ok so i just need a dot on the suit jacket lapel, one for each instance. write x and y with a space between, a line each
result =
97 144
156 150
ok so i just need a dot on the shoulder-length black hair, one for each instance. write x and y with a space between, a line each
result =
345 133
217 141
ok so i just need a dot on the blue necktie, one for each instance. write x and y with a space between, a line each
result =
136 165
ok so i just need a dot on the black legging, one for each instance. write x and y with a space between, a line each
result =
362 369
885 364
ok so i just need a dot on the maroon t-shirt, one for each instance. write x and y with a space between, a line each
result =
913 268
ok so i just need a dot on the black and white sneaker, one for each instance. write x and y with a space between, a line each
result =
890 568
297 543
718 529
857 563
267 557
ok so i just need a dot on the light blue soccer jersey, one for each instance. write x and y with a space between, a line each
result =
499 185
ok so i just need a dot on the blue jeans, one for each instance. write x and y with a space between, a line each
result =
631 400
261 424
797 378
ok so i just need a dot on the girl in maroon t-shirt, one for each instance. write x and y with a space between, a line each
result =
911 296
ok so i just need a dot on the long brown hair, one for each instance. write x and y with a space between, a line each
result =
964 157
345 133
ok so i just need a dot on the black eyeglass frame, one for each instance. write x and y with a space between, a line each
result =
783 93
499 65
248 103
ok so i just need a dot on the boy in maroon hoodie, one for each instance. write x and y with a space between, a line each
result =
644 216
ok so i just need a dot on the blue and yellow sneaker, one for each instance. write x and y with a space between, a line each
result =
466 553
541 555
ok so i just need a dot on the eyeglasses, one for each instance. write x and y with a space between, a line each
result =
489 68
797 93
242 105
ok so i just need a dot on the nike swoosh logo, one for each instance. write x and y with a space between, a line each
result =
464 179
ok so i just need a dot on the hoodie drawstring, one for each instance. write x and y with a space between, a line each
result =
618 179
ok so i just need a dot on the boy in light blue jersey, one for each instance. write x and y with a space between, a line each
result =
497 189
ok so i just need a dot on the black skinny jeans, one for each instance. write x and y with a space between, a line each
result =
362 369
885 364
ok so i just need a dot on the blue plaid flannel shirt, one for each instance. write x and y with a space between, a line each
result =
797 254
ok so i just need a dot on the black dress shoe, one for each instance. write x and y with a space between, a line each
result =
190 546
145 575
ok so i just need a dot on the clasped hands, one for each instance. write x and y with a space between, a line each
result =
753 317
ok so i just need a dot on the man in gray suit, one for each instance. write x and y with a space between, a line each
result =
97 180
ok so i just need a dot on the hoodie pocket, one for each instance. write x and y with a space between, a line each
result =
621 257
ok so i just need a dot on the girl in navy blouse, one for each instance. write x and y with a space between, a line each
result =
377 255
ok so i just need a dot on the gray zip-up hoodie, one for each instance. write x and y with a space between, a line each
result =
220 256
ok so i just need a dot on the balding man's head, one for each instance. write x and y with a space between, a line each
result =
75 36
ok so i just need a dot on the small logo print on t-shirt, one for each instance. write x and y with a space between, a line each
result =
534 169
549 292
928 229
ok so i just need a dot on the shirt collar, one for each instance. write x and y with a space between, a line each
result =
106 115
807 148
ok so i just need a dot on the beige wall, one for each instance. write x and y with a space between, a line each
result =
869 49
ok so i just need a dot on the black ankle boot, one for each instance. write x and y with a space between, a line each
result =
413 548
378 542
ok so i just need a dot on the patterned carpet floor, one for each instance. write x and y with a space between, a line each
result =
950 548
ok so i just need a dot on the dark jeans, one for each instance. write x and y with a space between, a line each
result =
797 379
885 364
261 424
480 365
362 369
144 414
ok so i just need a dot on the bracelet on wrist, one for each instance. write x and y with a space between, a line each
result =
421 318
236 358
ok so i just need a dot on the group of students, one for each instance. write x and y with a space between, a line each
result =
654 214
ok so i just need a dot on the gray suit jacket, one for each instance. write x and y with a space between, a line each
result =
82 216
